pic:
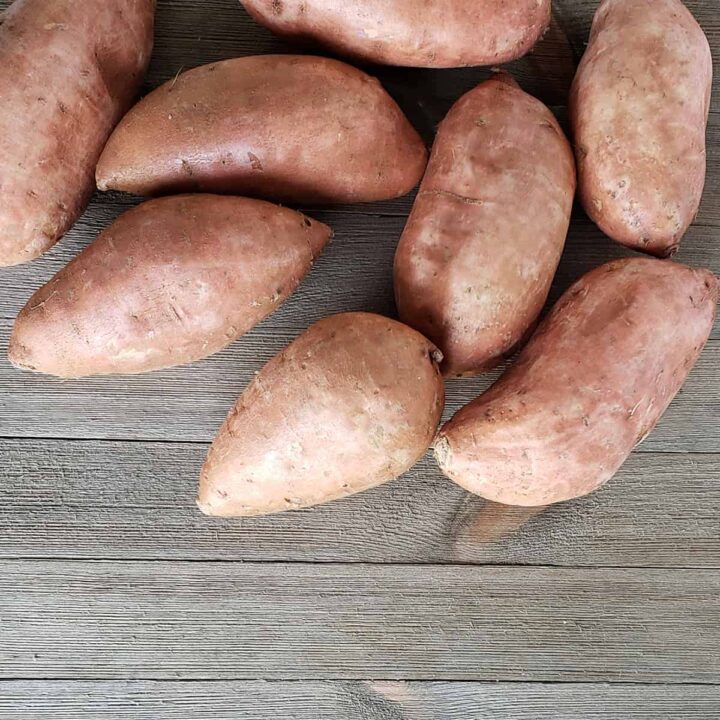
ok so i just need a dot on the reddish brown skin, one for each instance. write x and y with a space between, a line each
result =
639 107
353 403
425 33
475 263
171 281
69 70
292 128
592 383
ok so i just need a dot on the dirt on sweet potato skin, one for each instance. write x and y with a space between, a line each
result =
638 109
353 403
592 383
68 72
172 281
480 249
440 34
290 128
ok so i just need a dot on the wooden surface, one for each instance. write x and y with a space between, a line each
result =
413 601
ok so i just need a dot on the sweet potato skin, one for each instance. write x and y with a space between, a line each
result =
68 72
352 403
171 281
435 34
591 384
481 247
285 127
639 107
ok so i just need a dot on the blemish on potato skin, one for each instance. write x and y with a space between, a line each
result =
255 162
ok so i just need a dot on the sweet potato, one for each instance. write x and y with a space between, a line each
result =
352 403
68 72
299 129
592 383
434 34
639 109
483 242
170 282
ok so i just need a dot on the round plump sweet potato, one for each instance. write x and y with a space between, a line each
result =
294 128
171 281
433 34
592 383
481 247
639 107
354 402
69 69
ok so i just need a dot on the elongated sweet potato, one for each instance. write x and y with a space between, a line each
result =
69 69
434 33
170 282
294 128
592 383
639 109
352 403
483 242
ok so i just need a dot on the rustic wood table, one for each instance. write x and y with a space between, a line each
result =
416 600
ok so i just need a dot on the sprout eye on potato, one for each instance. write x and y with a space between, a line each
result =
285 127
591 384
433 34
639 108
69 69
352 403
475 263
169 282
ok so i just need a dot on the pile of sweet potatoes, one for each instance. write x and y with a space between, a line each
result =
356 400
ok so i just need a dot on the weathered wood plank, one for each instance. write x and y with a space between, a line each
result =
190 403
99 500
239 621
316 700
355 272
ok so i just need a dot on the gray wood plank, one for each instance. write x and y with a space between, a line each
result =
221 621
100 500
190 403
355 272
316 700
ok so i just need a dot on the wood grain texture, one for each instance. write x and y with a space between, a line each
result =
191 402
355 271
177 614
222 621
100 500
316 700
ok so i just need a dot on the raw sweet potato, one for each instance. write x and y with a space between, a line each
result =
592 383
352 403
434 33
170 282
69 69
639 107
483 242
294 128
